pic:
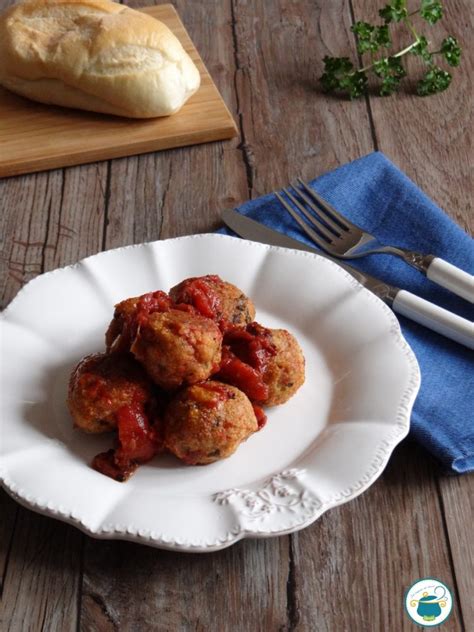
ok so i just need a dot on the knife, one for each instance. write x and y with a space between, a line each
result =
401 301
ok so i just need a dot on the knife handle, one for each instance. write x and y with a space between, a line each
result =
448 276
434 317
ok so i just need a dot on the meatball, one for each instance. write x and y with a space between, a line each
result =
101 385
127 315
266 364
284 371
215 298
207 422
177 348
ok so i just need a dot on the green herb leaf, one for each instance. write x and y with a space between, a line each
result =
391 71
421 49
431 10
451 50
389 67
339 74
435 80
356 84
382 35
371 38
395 11
335 70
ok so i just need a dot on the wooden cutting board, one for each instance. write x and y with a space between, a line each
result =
34 137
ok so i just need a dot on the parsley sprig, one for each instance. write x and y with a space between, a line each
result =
340 74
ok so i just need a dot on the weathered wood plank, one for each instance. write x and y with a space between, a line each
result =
9 512
132 587
458 508
355 564
288 127
48 220
41 588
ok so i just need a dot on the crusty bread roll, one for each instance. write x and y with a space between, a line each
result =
94 55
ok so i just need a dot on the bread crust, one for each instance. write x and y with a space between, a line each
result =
94 55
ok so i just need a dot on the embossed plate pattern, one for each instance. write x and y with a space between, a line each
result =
324 447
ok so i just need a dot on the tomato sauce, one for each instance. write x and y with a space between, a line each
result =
260 415
138 441
245 356
200 293
252 344
233 371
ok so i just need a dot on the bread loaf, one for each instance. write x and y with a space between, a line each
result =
94 55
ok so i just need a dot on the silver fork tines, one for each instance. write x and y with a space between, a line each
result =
322 223
339 237
325 208
322 230
327 227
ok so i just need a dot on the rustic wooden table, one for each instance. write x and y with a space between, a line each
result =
349 570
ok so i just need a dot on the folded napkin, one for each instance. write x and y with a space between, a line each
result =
376 195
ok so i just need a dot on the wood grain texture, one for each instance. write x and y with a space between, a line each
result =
457 500
36 137
265 58
371 550
131 587
43 574
9 512
288 127
49 220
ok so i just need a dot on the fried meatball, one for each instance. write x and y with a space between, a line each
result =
266 364
128 313
177 348
101 385
284 371
215 298
207 422
245 354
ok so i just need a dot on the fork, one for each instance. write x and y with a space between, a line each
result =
339 237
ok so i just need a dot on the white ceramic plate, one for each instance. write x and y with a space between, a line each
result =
323 448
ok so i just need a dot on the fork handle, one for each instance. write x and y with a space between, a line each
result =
448 276
434 317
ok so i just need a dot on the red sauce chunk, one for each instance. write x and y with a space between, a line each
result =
260 415
151 303
138 440
242 375
245 355
252 344
105 464
200 293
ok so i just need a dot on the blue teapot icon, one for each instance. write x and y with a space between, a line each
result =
429 606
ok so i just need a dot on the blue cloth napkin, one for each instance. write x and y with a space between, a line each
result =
376 195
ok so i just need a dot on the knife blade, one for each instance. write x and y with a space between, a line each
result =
405 303
254 231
